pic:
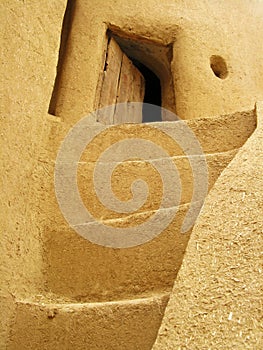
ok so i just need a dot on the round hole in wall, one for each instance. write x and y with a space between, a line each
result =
218 66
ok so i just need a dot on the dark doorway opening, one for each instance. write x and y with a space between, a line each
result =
152 62
153 93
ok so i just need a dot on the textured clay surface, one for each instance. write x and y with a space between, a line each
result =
58 290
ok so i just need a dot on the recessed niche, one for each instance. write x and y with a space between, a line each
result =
66 28
137 70
219 66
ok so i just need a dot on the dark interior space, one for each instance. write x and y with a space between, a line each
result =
153 94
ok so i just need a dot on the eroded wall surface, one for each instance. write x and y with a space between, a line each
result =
40 253
216 301
30 35
197 31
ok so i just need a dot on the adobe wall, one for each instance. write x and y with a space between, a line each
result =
29 44
35 257
196 30
216 301
79 269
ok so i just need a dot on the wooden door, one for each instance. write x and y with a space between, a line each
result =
122 82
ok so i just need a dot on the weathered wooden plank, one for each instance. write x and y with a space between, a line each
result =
122 83
138 93
131 89
124 91
110 83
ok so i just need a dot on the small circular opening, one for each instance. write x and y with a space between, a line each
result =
218 66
